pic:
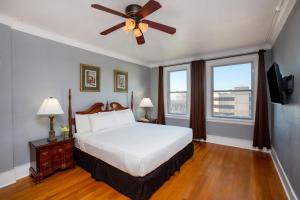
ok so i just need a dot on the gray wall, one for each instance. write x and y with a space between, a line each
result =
42 68
213 128
6 129
286 118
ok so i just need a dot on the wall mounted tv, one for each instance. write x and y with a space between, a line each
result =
280 87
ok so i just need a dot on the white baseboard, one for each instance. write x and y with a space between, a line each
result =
22 171
283 177
11 176
7 178
233 142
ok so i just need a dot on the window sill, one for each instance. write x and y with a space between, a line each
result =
177 116
231 121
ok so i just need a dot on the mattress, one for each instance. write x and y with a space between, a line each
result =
136 149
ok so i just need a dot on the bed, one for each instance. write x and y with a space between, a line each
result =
134 158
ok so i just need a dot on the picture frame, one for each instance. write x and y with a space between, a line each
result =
120 81
89 78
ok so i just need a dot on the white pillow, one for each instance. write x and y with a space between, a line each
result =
103 120
82 123
125 117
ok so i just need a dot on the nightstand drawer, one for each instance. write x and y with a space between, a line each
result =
45 165
69 156
57 157
44 154
59 149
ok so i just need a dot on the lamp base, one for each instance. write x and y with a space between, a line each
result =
146 114
51 137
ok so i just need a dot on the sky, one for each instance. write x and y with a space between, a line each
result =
178 81
225 77
231 76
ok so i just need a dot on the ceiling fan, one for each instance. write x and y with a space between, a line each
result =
135 20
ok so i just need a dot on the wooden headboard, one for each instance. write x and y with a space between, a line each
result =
95 108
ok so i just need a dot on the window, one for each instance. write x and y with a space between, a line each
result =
177 91
231 93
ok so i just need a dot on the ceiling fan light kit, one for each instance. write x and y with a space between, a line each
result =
143 27
130 23
126 29
135 21
137 32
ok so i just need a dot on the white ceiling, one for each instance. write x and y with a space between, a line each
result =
203 26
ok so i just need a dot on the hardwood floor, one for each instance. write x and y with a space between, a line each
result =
214 172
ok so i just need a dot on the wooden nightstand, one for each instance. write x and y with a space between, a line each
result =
47 157
151 121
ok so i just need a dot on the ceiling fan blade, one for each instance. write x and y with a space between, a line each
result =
116 27
105 9
149 8
140 40
161 27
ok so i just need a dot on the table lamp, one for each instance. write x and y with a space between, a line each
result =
146 103
51 107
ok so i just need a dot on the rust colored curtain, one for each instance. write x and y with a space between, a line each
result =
261 125
197 116
160 104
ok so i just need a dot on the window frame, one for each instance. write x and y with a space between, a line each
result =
253 59
167 70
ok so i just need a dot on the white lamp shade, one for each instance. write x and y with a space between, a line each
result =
50 106
146 103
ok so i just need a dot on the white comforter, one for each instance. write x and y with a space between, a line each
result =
136 149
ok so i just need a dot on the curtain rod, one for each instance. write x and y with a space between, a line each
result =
217 58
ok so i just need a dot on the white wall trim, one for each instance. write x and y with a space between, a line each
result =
7 178
26 28
224 53
281 14
232 142
283 177
11 176
22 171
21 26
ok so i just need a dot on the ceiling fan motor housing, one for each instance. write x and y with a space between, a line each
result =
132 11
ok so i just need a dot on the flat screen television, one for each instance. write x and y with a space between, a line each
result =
280 87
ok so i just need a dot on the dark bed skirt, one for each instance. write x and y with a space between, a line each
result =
137 188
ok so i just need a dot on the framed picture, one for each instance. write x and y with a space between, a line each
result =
121 81
89 78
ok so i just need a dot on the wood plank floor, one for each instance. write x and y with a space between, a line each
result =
214 172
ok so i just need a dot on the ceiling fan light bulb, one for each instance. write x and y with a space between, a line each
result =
126 29
137 32
143 27
130 23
